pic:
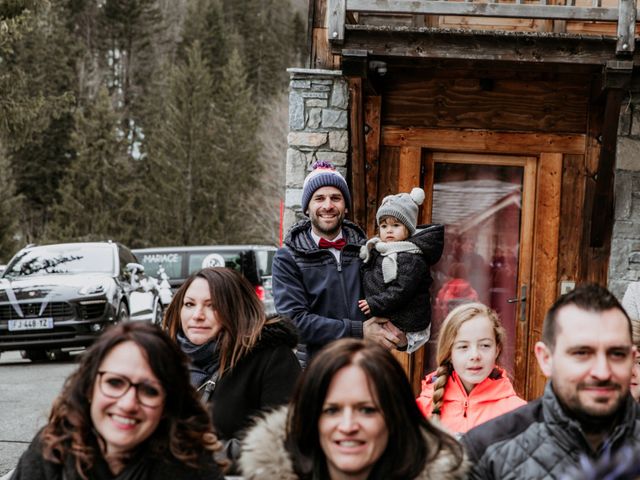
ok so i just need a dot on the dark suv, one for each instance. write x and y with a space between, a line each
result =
178 263
62 296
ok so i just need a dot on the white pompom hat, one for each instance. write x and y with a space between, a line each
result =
403 206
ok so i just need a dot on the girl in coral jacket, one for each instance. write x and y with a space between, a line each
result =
468 388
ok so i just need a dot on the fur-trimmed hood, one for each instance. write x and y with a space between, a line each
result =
264 454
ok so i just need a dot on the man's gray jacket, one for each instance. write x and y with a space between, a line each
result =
540 441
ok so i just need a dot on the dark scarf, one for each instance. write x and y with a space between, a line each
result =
205 359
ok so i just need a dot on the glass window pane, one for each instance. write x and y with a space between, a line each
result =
480 206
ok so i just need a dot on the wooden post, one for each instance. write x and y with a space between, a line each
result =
626 27
543 289
409 169
356 129
372 154
409 177
337 14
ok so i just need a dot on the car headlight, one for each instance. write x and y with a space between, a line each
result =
93 289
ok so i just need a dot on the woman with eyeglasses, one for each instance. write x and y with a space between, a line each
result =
128 413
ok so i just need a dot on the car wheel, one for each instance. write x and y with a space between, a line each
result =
35 355
123 313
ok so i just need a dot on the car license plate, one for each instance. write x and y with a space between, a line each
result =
30 324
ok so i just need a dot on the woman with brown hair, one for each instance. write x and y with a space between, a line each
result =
241 362
353 416
468 388
127 412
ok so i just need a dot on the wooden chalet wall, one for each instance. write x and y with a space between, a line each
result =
504 101
499 100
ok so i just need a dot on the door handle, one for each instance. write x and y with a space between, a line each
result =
523 302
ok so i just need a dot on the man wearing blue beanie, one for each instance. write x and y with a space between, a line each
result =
316 275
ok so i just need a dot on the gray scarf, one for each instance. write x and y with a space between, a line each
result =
205 359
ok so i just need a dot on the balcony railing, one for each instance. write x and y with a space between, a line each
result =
624 14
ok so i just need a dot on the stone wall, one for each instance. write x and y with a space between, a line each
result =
624 263
318 130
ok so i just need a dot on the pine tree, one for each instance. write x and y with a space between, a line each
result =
25 106
238 146
9 205
130 32
205 23
95 187
40 157
181 153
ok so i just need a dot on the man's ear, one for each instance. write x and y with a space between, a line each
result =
544 357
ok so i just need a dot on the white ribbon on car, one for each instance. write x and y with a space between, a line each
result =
13 301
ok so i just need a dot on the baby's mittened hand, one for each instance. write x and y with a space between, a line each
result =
364 307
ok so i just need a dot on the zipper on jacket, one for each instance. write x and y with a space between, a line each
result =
466 404
344 287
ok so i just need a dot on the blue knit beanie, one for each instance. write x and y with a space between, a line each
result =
323 174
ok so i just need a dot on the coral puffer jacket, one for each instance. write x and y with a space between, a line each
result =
460 411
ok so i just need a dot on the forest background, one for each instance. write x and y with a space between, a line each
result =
148 122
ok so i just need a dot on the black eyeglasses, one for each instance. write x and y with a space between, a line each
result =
114 385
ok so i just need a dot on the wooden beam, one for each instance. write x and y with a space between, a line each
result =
626 27
484 140
337 14
409 168
602 213
543 289
372 158
501 10
480 46
572 213
321 55
419 98
356 129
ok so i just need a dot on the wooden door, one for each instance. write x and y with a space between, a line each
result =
409 157
487 204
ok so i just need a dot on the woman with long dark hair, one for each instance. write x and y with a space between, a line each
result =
241 361
127 412
353 416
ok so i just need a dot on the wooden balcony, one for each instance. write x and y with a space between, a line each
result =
538 31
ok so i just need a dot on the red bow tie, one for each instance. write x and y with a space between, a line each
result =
338 244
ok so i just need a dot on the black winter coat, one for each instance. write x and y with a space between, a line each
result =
405 300
317 292
263 379
32 466
540 441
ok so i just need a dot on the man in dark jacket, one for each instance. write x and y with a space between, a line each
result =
586 410
316 275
